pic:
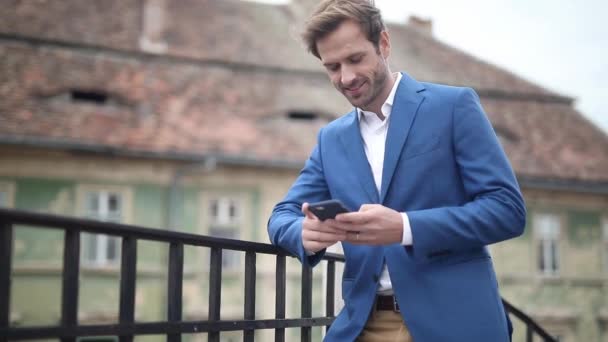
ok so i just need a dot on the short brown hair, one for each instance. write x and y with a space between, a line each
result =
329 14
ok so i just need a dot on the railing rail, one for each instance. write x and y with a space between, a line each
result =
69 329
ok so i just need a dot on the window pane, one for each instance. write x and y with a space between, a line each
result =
105 206
233 211
213 210
114 217
554 256
92 204
91 247
230 259
3 199
541 256
112 249
114 203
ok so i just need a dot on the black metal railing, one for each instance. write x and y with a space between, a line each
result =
69 328
532 328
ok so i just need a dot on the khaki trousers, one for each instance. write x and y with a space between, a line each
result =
385 326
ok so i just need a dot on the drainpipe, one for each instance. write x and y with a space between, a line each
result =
208 165
173 222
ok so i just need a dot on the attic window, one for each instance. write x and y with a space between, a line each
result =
92 97
302 116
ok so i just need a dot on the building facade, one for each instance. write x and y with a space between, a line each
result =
197 116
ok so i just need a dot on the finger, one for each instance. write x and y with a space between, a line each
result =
322 236
320 226
316 246
357 217
307 211
337 226
366 207
356 238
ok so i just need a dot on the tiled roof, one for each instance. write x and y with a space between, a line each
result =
232 72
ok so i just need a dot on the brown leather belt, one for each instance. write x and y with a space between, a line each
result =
387 303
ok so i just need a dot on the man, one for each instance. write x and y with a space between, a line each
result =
431 185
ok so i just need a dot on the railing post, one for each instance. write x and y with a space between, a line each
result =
306 301
281 287
6 253
174 296
215 290
128 275
330 290
250 270
69 289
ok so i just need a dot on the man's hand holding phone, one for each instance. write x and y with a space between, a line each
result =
318 227
373 224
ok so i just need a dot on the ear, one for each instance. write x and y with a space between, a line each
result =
385 44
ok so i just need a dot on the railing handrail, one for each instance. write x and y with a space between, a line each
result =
126 328
52 221
531 325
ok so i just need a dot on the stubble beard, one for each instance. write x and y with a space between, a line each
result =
376 85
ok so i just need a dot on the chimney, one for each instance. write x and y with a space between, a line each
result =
424 26
154 16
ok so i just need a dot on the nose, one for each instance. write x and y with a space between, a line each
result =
347 77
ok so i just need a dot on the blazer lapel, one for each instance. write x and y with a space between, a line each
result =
353 145
405 107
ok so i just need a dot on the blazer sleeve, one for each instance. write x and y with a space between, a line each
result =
494 210
285 223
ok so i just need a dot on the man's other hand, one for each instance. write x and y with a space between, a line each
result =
373 224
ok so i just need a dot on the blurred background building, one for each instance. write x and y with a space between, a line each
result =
196 115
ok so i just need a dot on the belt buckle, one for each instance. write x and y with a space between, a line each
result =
395 305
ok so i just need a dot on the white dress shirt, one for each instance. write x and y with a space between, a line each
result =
373 132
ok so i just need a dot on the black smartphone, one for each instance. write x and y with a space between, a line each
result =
327 209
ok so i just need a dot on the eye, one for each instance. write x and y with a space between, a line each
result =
356 59
332 67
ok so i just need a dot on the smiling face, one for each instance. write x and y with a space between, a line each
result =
356 67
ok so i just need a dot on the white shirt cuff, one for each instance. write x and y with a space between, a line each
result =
406 240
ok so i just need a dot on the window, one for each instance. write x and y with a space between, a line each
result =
224 221
547 229
302 116
94 97
103 205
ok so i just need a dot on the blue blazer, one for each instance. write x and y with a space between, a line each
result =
444 166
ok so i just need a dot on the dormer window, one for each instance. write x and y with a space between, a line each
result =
86 96
88 99
302 116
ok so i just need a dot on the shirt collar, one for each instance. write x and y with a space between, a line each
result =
388 104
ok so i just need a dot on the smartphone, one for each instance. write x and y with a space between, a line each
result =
327 209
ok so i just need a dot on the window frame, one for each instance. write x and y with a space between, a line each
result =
102 259
547 243
232 261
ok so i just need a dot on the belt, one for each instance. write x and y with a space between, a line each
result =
387 303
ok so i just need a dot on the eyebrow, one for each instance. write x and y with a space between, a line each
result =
353 55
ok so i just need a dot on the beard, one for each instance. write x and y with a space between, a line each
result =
375 84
